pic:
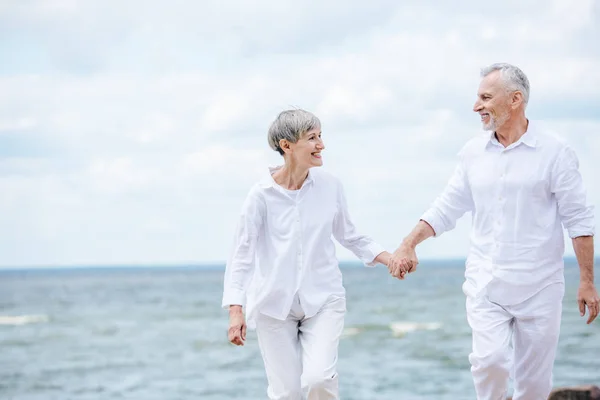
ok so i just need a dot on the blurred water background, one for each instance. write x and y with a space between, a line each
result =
158 333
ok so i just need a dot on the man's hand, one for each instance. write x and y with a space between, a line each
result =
403 260
588 296
384 258
400 274
237 325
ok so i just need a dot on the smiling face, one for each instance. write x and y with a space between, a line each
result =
494 102
306 152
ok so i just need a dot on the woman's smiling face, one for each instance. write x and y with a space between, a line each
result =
307 150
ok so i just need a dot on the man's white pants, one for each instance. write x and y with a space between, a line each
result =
534 326
300 354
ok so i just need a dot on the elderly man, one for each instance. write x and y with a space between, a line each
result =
522 187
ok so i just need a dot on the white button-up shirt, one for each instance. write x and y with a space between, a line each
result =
283 247
520 197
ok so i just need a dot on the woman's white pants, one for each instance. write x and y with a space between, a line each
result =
300 354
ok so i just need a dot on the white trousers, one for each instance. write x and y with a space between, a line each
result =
300 354
533 326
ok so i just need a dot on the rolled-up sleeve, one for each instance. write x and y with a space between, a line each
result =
453 203
344 231
576 215
241 263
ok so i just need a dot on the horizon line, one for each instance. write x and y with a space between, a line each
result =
202 265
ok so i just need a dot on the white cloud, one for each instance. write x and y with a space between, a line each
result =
139 128
18 124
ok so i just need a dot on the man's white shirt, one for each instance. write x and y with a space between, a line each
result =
283 247
520 198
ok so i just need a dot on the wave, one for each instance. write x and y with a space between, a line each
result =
352 331
401 328
22 319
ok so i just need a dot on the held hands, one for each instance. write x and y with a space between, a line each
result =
588 296
403 261
385 259
237 325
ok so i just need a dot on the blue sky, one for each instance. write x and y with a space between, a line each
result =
131 132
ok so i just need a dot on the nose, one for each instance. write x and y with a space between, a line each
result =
321 144
477 106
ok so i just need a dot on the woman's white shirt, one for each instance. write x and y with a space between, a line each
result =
283 247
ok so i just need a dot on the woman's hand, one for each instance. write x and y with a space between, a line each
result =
385 258
237 325
403 261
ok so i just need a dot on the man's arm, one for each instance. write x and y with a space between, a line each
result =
455 200
587 294
578 218
420 233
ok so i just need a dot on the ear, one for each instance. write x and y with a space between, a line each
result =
285 146
517 99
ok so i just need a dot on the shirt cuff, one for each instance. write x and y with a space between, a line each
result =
233 297
374 250
575 233
432 218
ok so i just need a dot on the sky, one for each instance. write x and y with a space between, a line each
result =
131 132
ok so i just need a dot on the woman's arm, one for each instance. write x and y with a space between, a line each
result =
344 231
241 264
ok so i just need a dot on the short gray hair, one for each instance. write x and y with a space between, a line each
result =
513 77
291 125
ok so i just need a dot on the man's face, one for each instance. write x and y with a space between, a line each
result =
493 102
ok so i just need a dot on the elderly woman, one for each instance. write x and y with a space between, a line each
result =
283 266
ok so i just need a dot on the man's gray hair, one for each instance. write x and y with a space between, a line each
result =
291 125
513 77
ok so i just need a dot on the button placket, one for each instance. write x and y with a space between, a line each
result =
299 230
501 197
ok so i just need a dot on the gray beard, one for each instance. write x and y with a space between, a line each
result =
495 123
491 126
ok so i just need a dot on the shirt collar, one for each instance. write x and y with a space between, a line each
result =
267 181
529 138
